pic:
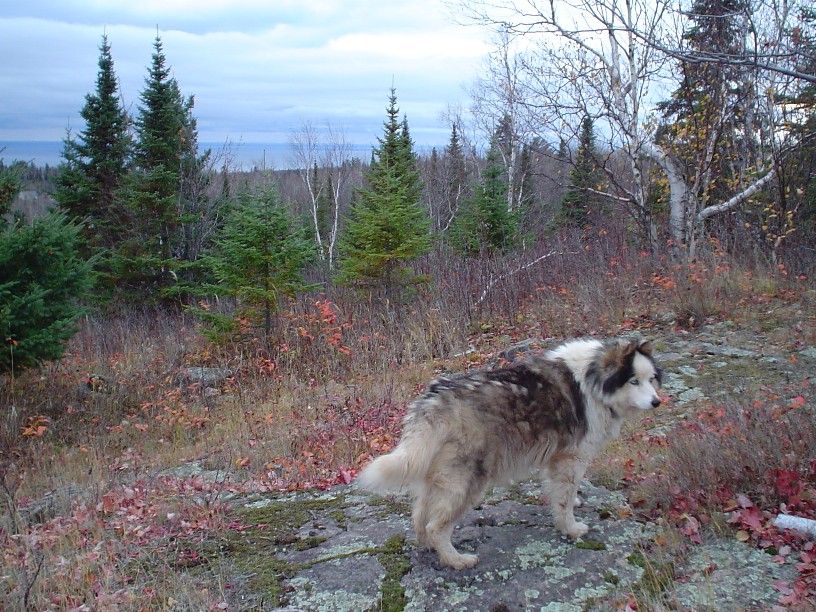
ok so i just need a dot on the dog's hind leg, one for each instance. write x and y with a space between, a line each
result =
440 529
565 475
444 507
419 516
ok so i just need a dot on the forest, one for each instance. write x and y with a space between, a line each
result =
634 167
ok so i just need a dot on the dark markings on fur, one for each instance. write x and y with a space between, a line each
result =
578 400
621 373
435 387
537 397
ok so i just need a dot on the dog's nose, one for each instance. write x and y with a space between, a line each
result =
655 402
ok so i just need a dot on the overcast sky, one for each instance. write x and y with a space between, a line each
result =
258 68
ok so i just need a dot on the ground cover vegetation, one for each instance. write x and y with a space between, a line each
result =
326 297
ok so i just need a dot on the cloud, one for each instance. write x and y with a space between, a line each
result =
258 69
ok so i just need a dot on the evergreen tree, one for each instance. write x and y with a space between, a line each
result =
456 187
388 227
579 202
166 147
41 280
9 187
484 224
96 162
259 257
524 177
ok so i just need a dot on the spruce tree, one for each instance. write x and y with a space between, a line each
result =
707 93
456 175
258 258
388 226
483 224
96 161
580 202
166 142
42 279
9 187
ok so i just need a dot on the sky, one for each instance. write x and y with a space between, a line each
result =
259 69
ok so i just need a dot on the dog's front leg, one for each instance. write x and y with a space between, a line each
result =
566 474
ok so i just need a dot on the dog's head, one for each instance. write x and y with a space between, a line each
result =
629 378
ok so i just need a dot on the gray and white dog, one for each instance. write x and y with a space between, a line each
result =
549 415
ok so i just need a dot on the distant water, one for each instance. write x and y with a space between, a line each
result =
39 152
246 155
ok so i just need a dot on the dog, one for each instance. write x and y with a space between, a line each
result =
547 416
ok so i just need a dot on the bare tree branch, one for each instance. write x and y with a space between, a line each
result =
493 280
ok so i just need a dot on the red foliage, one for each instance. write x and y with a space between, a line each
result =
332 441
754 522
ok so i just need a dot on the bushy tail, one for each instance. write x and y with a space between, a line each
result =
397 470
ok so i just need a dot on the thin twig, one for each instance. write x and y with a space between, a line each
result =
521 268
27 596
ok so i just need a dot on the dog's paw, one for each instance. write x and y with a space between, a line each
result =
460 561
576 530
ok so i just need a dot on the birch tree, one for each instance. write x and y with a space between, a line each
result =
499 105
325 166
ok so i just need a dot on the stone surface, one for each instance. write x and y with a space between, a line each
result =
206 377
525 564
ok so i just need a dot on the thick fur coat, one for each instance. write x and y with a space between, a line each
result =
547 416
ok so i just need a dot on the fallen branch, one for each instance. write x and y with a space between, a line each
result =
493 281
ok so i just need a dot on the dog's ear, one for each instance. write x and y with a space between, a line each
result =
620 352
645 347
628 349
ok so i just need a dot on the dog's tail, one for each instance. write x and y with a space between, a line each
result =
397 470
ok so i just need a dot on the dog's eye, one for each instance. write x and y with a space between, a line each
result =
634 381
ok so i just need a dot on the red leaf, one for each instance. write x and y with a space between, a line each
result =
744 502
345 476
752 518
787 482
783 587
109 502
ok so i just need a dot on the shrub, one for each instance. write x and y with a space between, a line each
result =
41 281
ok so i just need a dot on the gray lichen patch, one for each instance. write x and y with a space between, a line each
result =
325 586
731 574
541 554
525 563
